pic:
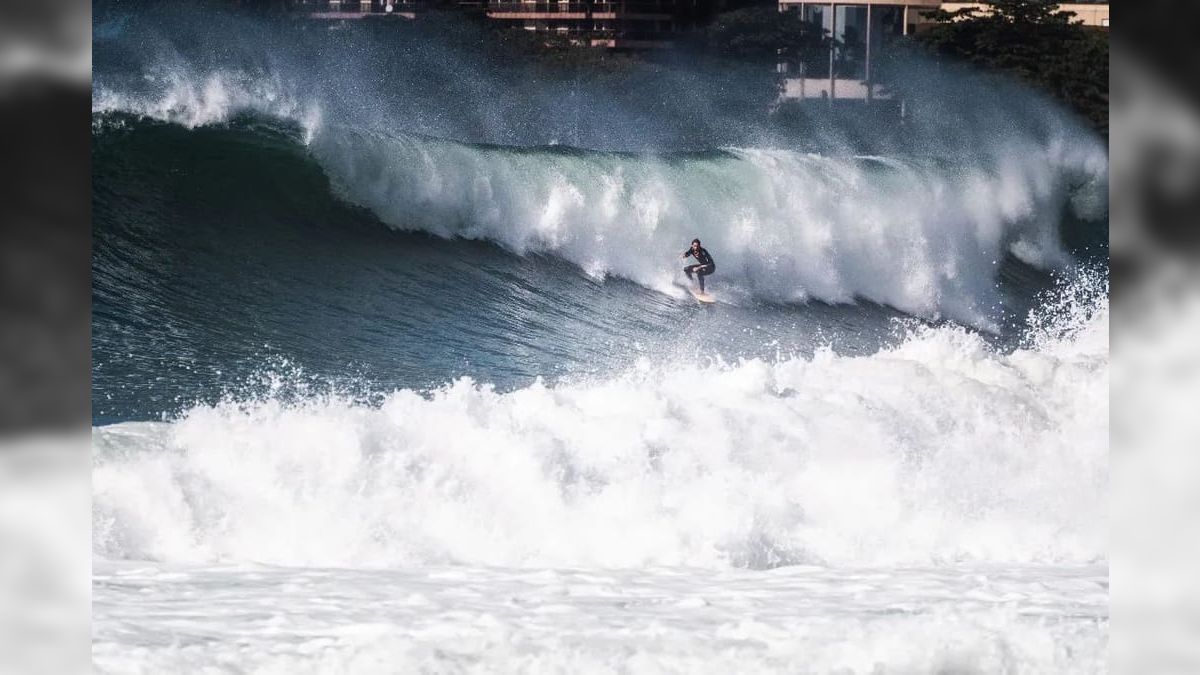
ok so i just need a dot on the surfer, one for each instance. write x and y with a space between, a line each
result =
705 265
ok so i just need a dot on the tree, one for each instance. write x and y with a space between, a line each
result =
1033 41
1041 12
764 34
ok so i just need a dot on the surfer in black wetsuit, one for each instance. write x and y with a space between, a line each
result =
705 265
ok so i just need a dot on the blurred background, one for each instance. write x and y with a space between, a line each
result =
1155 340
45 241
45 67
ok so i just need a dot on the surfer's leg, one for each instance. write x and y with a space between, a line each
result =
688 271
701 273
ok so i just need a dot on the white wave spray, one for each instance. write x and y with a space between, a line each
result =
937 450
191 98
783 225
923 236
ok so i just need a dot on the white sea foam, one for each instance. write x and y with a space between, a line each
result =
153 618
937 450
953 498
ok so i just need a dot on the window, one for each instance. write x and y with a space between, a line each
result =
850 47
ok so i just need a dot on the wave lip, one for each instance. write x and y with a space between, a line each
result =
785 226
938 450
193 99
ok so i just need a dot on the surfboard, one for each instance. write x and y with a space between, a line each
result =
705 298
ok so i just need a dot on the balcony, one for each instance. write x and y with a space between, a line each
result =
658 11
624 43
914 5
537 10
356 9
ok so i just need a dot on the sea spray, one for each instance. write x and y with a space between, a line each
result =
921 236
939 449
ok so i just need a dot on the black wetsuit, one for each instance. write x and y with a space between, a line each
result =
704 267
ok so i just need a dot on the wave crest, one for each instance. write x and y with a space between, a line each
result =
939 449
784 226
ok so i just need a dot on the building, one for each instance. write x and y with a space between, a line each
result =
615 24
862 31
354 9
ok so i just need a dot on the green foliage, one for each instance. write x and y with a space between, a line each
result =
1033 41
764 34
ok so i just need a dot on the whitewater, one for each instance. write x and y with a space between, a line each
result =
937 450
394 369
933 506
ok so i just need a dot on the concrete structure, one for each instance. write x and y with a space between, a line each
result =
861 29
616 24
337 10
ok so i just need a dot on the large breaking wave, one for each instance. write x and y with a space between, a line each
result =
785 226
920 235
923 229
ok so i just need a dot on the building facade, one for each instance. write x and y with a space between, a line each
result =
354 9
862 30
615 24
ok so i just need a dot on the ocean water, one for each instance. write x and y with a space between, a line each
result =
391 377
